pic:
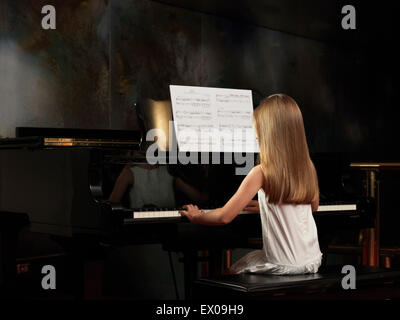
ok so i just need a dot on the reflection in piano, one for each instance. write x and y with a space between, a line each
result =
152 185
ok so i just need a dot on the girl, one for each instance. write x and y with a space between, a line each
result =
287 187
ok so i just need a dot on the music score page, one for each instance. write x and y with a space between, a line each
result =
213 119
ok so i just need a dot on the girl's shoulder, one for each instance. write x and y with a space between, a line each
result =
256 175
259 176
257 171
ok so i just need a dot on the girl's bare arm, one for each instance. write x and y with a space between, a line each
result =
247 190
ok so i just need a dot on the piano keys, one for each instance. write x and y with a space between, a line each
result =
172 214
163 215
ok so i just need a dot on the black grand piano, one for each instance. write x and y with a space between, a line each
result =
62 179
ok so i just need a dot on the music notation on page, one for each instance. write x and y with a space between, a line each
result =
213 119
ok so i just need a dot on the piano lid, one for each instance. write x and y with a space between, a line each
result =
33 137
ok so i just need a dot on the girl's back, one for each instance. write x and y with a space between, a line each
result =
290 241
290 181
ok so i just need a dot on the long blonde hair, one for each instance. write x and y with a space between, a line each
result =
290 175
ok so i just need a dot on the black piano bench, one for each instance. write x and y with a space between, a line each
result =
370 283
10 225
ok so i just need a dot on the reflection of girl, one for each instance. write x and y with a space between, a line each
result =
152 185
287 187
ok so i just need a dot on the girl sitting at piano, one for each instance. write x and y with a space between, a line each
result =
287 187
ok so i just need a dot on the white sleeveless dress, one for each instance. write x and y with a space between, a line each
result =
290 241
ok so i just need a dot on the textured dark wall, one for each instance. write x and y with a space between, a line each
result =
54 78
105 55
168 45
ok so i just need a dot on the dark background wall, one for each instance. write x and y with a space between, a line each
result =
106 55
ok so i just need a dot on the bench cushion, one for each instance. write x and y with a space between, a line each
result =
370 282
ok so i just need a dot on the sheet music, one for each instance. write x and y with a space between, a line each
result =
213 119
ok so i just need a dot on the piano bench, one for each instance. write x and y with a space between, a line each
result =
371 283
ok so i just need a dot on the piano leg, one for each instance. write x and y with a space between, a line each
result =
212 263
190 266
205 271
215 262
190 261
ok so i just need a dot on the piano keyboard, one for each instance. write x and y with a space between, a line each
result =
337 207
167 214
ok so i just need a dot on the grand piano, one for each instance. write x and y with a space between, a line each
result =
62 179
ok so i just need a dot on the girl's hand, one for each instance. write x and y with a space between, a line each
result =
252 206
192 212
